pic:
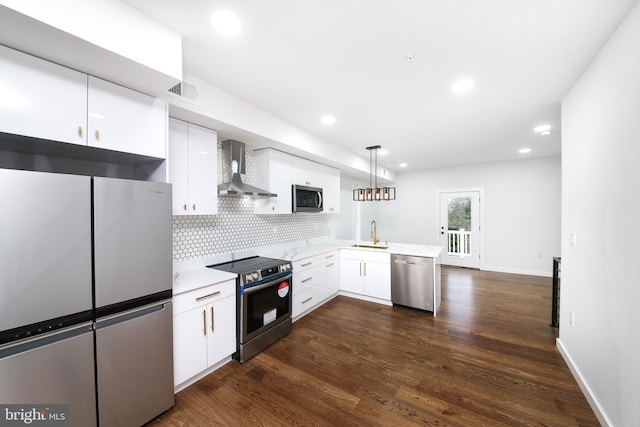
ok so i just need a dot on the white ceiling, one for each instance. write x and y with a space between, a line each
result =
301 59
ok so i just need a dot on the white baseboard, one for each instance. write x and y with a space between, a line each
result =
365 298
541 273
200 375
593 402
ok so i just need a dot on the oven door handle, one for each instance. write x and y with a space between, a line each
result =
265 285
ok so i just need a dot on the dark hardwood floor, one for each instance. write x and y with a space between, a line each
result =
488 359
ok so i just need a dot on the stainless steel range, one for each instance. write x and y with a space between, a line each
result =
264 300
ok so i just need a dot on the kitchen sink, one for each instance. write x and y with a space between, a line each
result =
371 246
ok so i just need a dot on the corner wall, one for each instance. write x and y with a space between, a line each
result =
600 204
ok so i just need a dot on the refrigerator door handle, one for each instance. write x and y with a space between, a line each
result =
131 314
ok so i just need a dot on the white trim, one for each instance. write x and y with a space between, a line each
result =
480 208
586 390
200 375
542 273
365 298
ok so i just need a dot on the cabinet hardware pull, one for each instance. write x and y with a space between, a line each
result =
273 208
97 134
79 130
360 268
204 322
216 293
213 326
307 264
329 256
365 268
184 206
307 279
307 300
194 207
330 265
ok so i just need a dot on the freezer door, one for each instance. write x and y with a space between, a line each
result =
45 247
133 239
134 362
52 370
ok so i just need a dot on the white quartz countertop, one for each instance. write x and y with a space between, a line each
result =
196 278
306 251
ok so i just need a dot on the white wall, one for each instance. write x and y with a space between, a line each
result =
600 203
521 211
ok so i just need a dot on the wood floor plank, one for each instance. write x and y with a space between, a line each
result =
488 358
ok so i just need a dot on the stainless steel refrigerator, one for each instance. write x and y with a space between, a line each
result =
85 296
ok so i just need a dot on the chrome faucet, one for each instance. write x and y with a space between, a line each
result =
373 234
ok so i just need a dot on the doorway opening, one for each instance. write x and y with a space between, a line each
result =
460 228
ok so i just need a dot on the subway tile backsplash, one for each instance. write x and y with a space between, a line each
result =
236 228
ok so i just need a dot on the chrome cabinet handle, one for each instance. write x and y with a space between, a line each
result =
97 134
307 300
212 321
329 256
307 279
194 207
204 322
307 264
330 265
79 130
184 206
216 293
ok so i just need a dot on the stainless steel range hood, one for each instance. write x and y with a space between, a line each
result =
233 173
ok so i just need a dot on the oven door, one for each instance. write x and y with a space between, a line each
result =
264 305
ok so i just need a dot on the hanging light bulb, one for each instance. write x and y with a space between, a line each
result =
373 192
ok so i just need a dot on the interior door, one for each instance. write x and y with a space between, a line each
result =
460 228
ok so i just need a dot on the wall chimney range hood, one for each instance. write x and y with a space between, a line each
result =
233 173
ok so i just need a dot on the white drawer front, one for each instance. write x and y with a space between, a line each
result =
190 300
306 279
305 263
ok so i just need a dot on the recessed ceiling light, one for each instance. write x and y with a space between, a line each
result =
524 150
542 128
226 23
383 152
328 119
403 165
462 85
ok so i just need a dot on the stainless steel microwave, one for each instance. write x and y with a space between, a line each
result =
306 199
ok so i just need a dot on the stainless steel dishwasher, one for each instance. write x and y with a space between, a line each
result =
412 281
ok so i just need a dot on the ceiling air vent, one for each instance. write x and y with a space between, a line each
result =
187 91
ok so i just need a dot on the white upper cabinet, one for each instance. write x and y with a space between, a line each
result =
306 172
124 120
277 171
331 190
273 173
44 100
193 163
41 99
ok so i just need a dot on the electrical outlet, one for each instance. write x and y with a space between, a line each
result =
572 318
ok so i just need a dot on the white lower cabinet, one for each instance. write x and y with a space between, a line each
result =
204 329
365 273
315 280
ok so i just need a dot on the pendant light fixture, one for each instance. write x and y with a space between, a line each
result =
373 192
